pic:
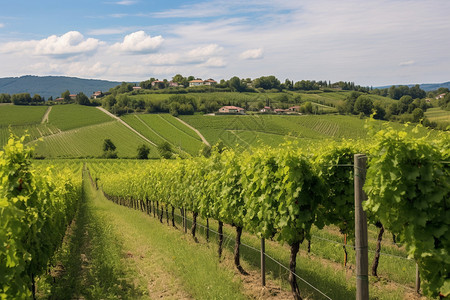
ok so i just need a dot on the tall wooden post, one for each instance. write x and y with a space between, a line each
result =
417 279
362 260
263 262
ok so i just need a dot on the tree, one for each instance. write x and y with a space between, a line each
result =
417 114
143 151
109 149
66 95
5 98
363 105
165 150
82 99
235 84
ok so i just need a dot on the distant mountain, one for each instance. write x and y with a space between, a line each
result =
424 86
47 86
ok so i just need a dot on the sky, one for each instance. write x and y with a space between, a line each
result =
369 42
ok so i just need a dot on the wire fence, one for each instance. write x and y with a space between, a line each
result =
259 251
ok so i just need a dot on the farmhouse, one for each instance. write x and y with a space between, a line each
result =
281 111
157 82
199 82
294 108
173 84
440 96
266 109
209 82
231 110
196 82
73 96
136 88
97 95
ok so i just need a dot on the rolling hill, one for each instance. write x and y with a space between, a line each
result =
47 86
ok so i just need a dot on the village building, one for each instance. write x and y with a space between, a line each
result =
136 88
157 82
196 82
266 109
231 110
200 82
440 96
97 95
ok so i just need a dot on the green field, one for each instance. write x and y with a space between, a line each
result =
21 115
164 127
272 130
438 115
88 142
71 116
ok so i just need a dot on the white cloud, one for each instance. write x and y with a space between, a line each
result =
2 25
139 42
123 2
69 44
107 31
407 63
126 2
207 50
214 62
252 54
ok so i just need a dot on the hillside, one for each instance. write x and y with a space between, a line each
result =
47 86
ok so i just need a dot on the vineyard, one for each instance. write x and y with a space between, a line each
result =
37 204
299 200
281 194
165 128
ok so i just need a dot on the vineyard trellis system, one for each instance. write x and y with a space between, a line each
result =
280 193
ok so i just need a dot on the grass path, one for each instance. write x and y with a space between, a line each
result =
127 125
45 117
113 252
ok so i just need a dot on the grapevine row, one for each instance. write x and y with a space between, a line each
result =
281 193
36 206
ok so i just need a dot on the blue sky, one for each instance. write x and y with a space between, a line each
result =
372 42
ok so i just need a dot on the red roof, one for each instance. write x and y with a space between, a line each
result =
196 80
232 107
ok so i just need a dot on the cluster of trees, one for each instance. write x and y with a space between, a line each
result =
236 84
175 104
164 149
5 98
396 92
22 99
406 109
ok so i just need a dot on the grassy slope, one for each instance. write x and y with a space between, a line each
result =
164 126
21 115
23 119
438 115
71 116
273 130
128 255
88 142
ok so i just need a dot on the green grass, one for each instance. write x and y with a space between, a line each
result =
34 132
71 116
135 251
438 115
323 267
255 130
160 127
88 142
21 115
